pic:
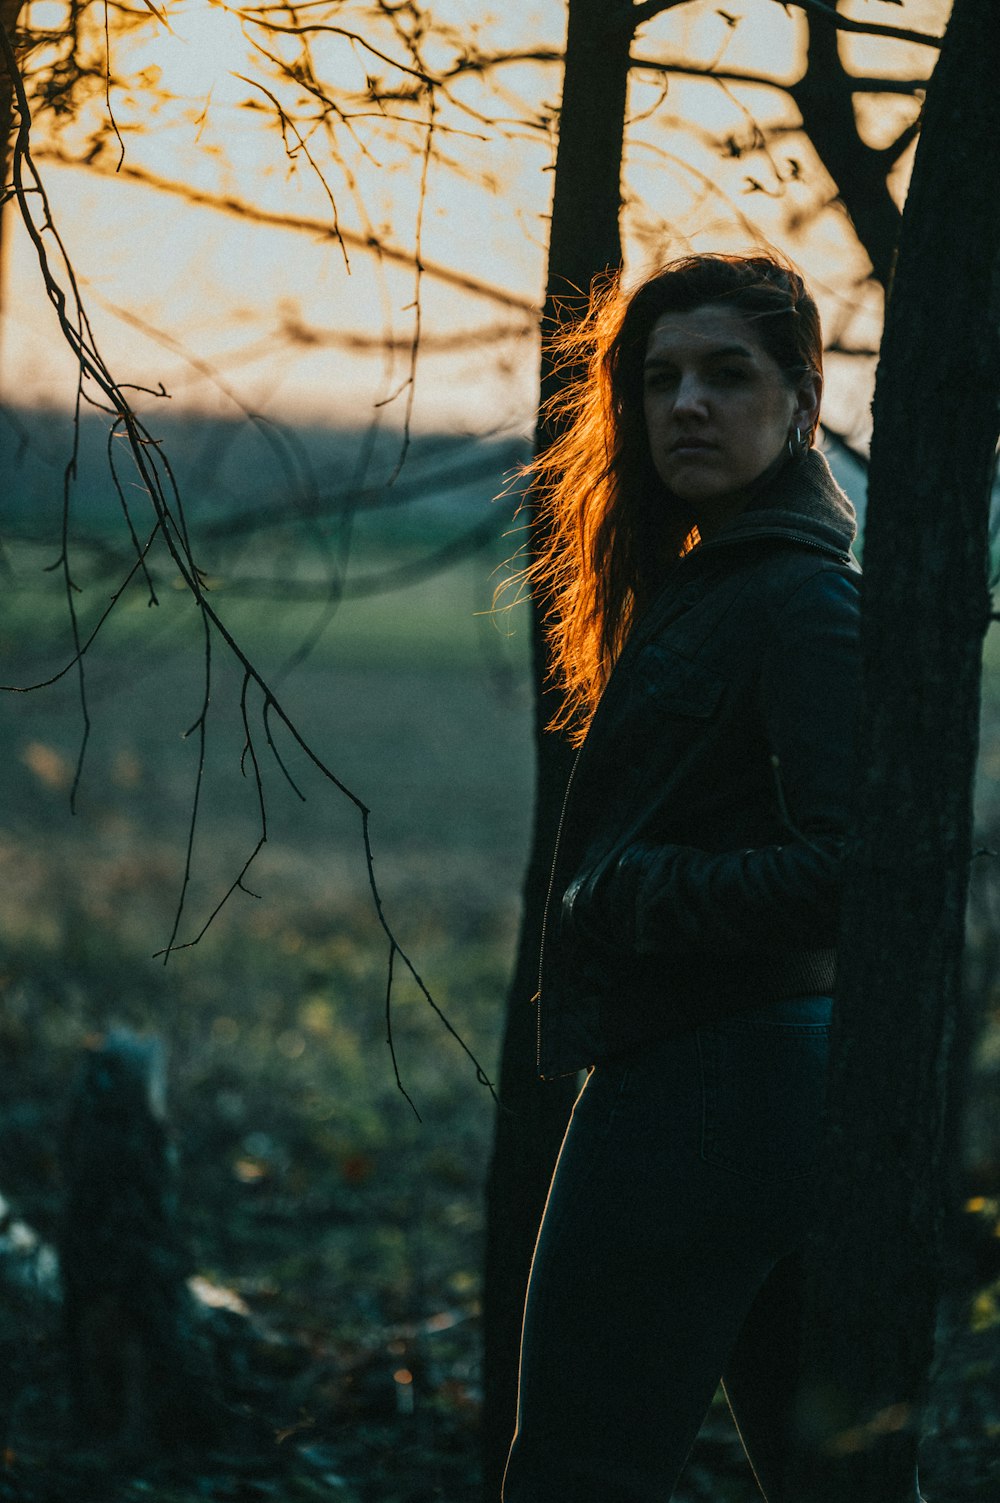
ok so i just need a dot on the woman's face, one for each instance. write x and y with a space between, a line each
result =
718 408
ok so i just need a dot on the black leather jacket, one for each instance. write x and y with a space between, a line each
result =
696 872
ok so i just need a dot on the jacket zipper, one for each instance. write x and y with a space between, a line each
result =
548 901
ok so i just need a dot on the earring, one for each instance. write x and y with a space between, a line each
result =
797 447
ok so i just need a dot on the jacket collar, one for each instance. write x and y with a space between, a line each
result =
796 499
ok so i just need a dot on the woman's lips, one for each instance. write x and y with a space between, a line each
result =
691 446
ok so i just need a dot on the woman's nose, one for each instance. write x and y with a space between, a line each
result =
690 395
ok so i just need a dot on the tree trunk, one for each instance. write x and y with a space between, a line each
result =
825 98
9 12
877 1256
584 241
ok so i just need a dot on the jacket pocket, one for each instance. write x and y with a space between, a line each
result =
676 685
763 1081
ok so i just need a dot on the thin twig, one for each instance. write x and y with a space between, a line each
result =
288 124
171 527
299 30
393 950
643 12
411 379
107 82
314 227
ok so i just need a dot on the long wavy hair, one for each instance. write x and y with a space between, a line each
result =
609 527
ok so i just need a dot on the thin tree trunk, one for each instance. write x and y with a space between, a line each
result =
584 241
825 98
877 1254
9 13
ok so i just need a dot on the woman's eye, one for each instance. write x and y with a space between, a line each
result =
729 375
721 376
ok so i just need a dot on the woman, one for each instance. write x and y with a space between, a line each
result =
705 625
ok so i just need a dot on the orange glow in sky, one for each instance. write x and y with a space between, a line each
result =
295 324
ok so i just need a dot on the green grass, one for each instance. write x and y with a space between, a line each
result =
306 1182
447 620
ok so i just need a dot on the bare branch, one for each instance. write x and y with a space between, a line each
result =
410 384
866 28
825 98
431 342
487 62
171 528
107 76
201 726
288 124
316 227
301 29
860 84
640 14
645 12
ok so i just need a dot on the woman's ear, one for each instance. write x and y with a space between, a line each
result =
808 396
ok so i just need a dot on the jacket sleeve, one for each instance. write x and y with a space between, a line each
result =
676 899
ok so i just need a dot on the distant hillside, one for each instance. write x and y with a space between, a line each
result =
237 477
283 501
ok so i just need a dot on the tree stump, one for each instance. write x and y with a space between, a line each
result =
139 1376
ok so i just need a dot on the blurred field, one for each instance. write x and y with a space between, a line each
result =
307 1185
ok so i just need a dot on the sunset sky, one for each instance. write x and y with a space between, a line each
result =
224 311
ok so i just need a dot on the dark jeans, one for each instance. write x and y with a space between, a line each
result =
668 1258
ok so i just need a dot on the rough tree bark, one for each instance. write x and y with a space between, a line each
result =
9 13
878 1254
825 97
584 240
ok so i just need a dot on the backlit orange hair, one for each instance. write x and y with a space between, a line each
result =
608 526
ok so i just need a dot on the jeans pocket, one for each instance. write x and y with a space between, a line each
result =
763 1084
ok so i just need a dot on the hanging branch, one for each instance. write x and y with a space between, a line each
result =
647 9
170 527
410 381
